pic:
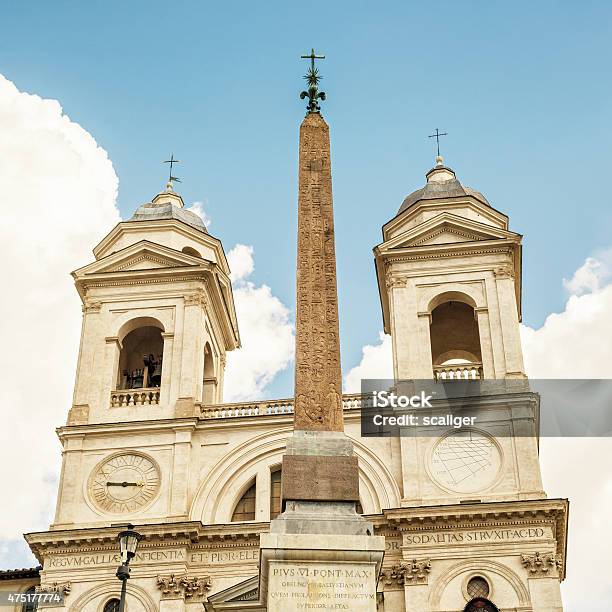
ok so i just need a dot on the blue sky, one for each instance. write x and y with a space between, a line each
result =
522 88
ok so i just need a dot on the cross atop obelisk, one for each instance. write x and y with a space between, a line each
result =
312 78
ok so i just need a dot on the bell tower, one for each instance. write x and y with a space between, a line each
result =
158 318
475 520
449 276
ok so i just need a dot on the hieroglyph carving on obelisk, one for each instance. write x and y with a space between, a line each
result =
318 378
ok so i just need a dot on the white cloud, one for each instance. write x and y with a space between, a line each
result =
376 362
241 263
59 191
266 333
575 343
593 274
198 209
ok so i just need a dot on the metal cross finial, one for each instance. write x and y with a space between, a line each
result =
437 137
312 78
312 57
172 161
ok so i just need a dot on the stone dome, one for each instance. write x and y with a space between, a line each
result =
168 205
441 183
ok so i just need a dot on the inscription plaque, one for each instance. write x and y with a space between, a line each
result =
305 586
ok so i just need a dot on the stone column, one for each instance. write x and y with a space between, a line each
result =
543 581
166 389
410 468
262 499
424 367
87 351
486 348
69 492
180 473
109 373
506 296
191 355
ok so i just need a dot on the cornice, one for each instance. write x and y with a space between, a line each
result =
553 512
192 534
466 514
438 251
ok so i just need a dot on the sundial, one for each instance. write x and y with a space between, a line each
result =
465 462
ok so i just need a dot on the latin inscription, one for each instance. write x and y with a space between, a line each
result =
224 556
475 536
217 557
294 586
112 558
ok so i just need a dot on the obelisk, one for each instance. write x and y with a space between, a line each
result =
318 539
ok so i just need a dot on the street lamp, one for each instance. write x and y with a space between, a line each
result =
128 543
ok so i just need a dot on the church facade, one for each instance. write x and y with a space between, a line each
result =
149 441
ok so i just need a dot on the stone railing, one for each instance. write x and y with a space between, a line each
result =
463 371
135 397
351 401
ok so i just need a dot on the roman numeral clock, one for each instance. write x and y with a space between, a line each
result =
124 482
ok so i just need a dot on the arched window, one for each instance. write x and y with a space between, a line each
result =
112 605
480 604
245 508
209 381
30 606
190 251
275 493
140 360
455 341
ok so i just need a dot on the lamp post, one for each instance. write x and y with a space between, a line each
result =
128 543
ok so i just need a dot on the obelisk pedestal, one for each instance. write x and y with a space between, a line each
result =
320 554
307 572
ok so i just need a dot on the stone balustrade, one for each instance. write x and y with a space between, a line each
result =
463 371
352 401
135 397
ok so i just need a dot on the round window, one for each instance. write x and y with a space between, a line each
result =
478 587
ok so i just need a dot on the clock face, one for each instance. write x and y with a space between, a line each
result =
124 483
466 462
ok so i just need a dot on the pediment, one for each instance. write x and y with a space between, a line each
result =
239 597
446 234
447 228
141 256
145 261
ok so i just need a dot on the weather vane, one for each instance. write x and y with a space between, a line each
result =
172 161
312 78
437 137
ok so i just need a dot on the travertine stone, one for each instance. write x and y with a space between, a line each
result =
318 379
337 572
